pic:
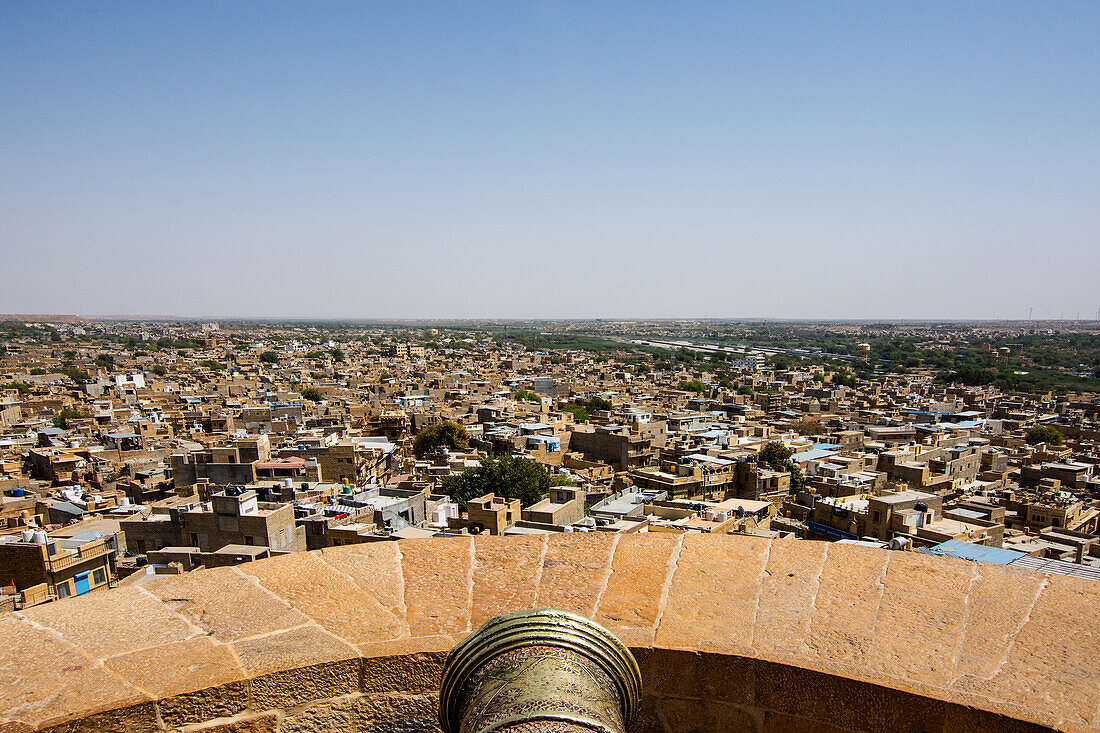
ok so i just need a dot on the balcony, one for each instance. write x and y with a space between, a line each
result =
65 559
732 633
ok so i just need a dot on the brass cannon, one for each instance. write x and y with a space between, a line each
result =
542 671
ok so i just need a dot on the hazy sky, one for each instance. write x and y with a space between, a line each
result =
551 159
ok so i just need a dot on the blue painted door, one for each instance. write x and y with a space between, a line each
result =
82 584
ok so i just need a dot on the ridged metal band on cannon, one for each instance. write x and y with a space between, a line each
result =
569 644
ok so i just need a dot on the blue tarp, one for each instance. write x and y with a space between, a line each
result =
970 551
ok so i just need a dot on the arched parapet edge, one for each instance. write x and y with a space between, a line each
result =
733 633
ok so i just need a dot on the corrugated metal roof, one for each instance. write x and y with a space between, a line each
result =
1001 556
971 551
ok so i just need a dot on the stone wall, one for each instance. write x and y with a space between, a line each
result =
732 633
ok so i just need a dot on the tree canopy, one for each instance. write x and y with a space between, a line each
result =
508 476
61 419
312 394
446 434
579 413
779 455
596 403
1044 434
774 453
524 396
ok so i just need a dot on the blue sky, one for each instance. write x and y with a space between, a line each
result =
551 159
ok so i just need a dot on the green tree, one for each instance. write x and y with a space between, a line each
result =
61 419
779 456
508 476
798 479
445 434
745 390
524 396
214 366
312 394
1044 434
844 378
269 357
315 355
77 375
337 355
21 387
105 360
693 385
597 403
579 413
159 370
774 453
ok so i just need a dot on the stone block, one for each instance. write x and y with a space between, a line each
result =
704 716
575 571
49 681
438 581
774 722
846 605
640 575
292 687
1055 671
843 702
376 568
140 718
715 591
186 666
200 706
293 649
148 622
1000 601
226 603
506 575
263 723
414 673
326 596
399 713
919 624
790 585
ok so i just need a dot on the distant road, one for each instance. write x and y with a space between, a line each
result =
741 349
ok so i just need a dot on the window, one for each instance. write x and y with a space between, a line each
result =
875 517
99 576
63 590
194 539
248 540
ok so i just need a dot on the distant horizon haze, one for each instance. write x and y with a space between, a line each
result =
208 318
552 160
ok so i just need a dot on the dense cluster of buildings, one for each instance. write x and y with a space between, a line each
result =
122 458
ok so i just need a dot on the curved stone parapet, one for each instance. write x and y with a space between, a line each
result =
732 633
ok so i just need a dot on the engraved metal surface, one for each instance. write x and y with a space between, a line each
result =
544 671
